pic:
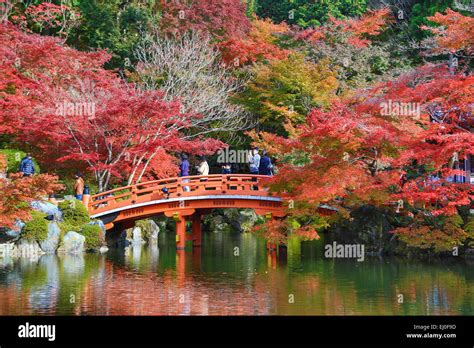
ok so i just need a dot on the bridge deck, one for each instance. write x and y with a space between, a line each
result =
182 191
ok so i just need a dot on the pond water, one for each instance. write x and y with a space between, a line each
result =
232 274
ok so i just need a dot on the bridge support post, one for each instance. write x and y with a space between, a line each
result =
180 219
196 228
181 233
272 247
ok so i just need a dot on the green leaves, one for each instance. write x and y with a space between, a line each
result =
287 89
309 13
37 228
105 25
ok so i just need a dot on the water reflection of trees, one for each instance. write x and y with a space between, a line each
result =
346 287
214 281
46 285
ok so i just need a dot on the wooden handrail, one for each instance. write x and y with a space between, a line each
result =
178 187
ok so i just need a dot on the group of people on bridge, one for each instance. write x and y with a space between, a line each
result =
257 165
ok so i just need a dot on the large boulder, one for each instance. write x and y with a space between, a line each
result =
47 208
149 230
223 220
218 224
11 234
232 218
50 244
137 237
153 232
161 222
73 243
8 250
248 219
27 248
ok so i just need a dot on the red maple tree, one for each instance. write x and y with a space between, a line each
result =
396 144
221 18
358 30
454 32
259 44
68 106
356 154
18 191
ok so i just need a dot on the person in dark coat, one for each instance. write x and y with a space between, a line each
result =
226 168
184 170
266 166
27 167
184 166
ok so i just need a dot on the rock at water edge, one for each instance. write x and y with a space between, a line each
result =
73 243
50 244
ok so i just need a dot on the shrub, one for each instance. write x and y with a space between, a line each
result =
75 214
37 228
435 233
469 228
92 233
14 158
65 227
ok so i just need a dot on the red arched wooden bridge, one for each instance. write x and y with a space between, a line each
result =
184 198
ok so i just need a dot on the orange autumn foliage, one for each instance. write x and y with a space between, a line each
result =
259 44
358 30
18 191
354 154
454 32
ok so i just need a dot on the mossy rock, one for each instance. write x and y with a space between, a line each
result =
75 214
75 218
14 158
92 233
66 227
149 229
36 229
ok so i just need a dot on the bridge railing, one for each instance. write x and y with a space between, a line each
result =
179 187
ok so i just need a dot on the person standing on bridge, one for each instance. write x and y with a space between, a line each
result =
254 164
27 167
202 168
266 166
226 168
78 186
254 161
184 170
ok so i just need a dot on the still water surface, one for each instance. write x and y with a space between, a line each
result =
232 275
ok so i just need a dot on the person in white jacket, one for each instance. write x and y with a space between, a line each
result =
203 167
254 161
